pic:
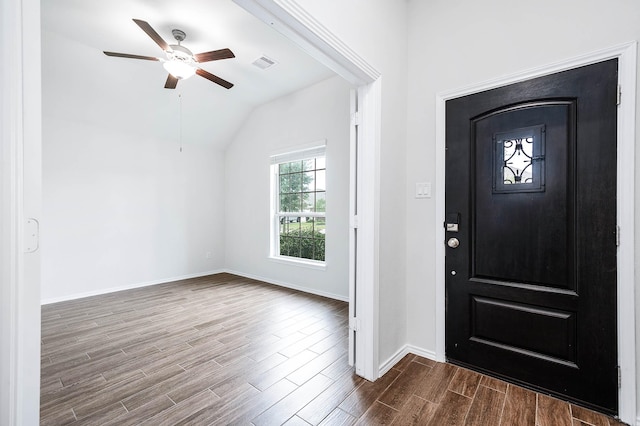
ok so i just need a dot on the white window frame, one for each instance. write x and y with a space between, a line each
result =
313 150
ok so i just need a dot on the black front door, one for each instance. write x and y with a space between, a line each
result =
531 233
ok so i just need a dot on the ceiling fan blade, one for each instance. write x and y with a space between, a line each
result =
153 34
214 55
214 78
127 55
171 83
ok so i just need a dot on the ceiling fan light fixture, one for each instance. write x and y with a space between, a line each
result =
179 69
179 63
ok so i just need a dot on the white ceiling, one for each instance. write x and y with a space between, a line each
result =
81 83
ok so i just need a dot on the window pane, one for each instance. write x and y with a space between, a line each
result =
320 202
308 201
289 246
308 164
320 163
290 202
284 245
295 166
320 180
306 248
309 181
318 253
320 225
290 226
284 226
292 182
283 168
307 224
287 183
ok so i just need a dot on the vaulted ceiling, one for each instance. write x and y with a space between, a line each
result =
81 84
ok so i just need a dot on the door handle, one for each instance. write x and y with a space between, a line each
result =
453 242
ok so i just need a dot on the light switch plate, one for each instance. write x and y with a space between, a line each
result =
423 190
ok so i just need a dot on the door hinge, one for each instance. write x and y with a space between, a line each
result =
619 95
355 119
619 377
354 324
617 236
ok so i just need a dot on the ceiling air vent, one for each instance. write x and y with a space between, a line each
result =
263 62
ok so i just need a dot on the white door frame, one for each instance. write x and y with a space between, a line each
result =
287 17
20 198
626 55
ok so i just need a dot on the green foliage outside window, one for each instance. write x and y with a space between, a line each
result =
308 244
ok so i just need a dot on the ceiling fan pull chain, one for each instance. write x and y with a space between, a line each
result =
180 100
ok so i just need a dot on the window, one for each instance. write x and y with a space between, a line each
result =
519 160
299 199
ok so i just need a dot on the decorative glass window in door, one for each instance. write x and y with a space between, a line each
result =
519 160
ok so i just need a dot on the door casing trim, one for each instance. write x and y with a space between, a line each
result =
626 55
290 19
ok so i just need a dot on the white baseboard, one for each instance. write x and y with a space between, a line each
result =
425 353
289 285
401 353
184 277
127 287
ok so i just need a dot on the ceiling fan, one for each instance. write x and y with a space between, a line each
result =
180 63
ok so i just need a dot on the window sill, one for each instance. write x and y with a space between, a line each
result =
294 261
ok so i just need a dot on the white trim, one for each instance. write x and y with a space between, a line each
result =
290 19
20 198
401 353
287 17
300 262
127 287
189 276
303 214
626 219
11 192
393 360
626 54
367 285
353 229
289 285
299 152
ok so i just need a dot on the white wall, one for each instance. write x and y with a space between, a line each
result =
319 112
377 31
456 44
124 209
122 205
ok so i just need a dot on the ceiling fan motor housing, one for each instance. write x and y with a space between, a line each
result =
180 53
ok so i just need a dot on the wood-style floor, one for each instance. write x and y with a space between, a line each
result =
226 350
